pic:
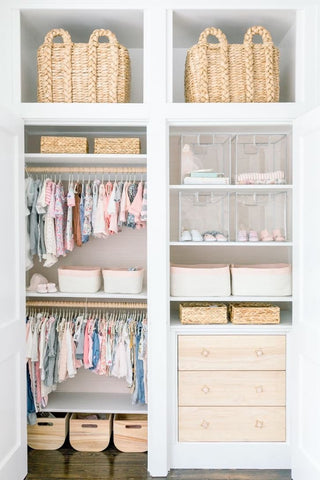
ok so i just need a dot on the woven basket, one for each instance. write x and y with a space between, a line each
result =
83 72
254 313
117 145
232 73
203 313
64 145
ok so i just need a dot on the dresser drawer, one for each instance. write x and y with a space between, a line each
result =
232 424
233 388
232 352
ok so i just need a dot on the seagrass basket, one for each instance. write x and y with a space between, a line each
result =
254 313
117 145
83 72
222 72
203 313
64 145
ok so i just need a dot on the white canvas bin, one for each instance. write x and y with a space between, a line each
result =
261 280
200 280
122 280
79 279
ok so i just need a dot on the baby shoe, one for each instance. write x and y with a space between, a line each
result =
196 236
209 237
42 288
185 236
242 236
277 237
253 236
220 237
265 236
52 288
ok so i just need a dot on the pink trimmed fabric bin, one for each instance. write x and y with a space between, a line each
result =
122 280
261 280
200 280
79 279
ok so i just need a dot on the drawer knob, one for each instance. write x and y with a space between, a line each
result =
204 424
259 388
205 389
205 352
259 424
259 352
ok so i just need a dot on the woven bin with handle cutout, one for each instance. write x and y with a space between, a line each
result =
64 145
254 313
203 313
83 72
117 145
222 72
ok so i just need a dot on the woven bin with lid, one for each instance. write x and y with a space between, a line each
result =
117 145
223 72
203 313
254 313
83 72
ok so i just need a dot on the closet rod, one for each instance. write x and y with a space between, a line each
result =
86 170
119 305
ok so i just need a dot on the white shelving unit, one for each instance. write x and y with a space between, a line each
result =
231 244
84 159
98 296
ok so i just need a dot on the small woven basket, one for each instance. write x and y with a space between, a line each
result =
203 313
254 313
222 72
118 145
64 145
83 72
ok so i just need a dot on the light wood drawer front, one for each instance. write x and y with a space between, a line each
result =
232 388
232 424
232 352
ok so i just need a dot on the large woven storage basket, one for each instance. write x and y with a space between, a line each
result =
64 145
203 313
117 145
223 72
83 72
254 313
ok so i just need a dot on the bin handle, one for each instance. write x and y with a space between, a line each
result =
89 425
45 424
133 426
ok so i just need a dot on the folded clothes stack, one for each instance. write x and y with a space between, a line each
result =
206 177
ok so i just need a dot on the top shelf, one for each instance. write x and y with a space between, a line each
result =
84 159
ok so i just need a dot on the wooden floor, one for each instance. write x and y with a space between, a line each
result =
111 464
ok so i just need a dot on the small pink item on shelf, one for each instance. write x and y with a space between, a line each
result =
253 236
36 279
42 288
265 236
52 287
242 236
277 236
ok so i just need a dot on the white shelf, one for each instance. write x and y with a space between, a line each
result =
231 244
232 188
98 295
284 326
84 159
93 403
231 299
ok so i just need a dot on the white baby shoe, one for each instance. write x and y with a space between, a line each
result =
196 236
185 236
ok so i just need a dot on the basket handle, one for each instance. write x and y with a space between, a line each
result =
268 44
113 64
203 44
58 32
48 45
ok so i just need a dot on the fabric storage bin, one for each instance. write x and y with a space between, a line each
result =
79 279
222 72
83 72
203 313
122 280
64 145
254 313
261 280
117 145
130 432
200 280
90 434
49 433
